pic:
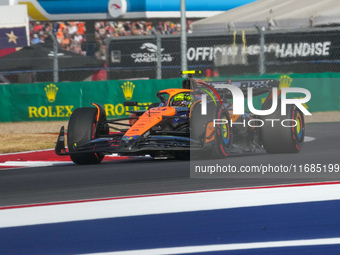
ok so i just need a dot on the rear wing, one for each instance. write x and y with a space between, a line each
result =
259 86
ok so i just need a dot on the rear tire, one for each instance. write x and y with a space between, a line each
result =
280 139
223 136
81 129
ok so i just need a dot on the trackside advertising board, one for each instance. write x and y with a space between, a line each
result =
296 52
56 101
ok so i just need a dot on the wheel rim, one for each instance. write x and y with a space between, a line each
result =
225 132
299 128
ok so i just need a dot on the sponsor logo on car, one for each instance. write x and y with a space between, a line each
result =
128 138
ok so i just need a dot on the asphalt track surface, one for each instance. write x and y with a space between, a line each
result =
141 176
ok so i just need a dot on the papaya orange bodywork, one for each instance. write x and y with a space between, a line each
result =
209 136
149 119
154 115
233 117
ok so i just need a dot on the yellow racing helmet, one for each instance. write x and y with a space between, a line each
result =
182 99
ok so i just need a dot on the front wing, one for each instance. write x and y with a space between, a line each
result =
114 144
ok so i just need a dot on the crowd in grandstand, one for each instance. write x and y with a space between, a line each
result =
72 35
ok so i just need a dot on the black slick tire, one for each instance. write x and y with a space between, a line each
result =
81 129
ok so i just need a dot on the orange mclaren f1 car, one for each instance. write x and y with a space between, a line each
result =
175 126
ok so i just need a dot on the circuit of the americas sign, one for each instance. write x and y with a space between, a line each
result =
236 49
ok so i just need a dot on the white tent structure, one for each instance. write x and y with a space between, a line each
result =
274 15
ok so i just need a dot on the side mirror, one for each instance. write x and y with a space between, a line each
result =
161 97
130 103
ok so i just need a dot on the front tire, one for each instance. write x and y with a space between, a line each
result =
81 129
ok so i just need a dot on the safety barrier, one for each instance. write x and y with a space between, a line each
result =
324 89
56 101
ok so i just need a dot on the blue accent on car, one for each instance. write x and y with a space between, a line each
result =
129 138
225 140
181 114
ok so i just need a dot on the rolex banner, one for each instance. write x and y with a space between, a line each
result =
13 37
56 101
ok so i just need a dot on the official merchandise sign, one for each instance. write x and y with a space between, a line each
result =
240 49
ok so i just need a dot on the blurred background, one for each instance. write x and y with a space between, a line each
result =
51 41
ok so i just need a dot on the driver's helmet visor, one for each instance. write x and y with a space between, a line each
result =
183 97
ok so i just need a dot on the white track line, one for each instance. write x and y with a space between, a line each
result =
166 204
309 139
226 247
33 163
24 152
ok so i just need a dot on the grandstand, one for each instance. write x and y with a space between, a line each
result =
85 29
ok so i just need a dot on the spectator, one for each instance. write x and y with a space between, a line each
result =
66 40
36 39
78 37
56 27
37 27
71 35
72 28
81 28
60 36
